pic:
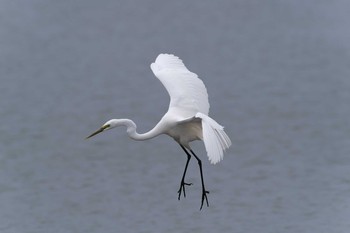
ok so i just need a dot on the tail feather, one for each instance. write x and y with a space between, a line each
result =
215 139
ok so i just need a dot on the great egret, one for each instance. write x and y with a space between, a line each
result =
187 117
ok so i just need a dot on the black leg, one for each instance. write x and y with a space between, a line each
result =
182 185
204 192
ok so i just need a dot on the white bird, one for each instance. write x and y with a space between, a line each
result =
186 119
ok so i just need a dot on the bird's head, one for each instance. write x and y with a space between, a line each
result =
106 126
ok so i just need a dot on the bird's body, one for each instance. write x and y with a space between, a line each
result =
187 117
184 133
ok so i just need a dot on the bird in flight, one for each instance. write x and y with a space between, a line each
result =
186 119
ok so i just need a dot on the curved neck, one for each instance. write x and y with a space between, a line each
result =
131 130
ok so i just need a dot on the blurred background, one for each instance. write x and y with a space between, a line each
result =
278 78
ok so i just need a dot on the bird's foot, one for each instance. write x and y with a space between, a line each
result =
204 197
182 188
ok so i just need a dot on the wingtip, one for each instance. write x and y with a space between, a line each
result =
167 55
167 61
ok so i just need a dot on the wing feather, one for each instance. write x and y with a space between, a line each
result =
215 139
186 90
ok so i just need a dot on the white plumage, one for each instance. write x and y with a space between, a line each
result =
189 99
186 90
215 139
186 119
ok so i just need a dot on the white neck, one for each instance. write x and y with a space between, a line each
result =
131 130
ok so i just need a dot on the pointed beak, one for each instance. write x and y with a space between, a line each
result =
97 132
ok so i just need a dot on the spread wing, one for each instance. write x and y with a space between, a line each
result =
186 90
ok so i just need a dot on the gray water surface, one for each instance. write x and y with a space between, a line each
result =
278 77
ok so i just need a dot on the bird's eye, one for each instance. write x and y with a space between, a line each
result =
106 126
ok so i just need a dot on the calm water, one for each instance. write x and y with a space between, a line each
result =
278 76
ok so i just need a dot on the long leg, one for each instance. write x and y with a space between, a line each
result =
182 185
204 192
